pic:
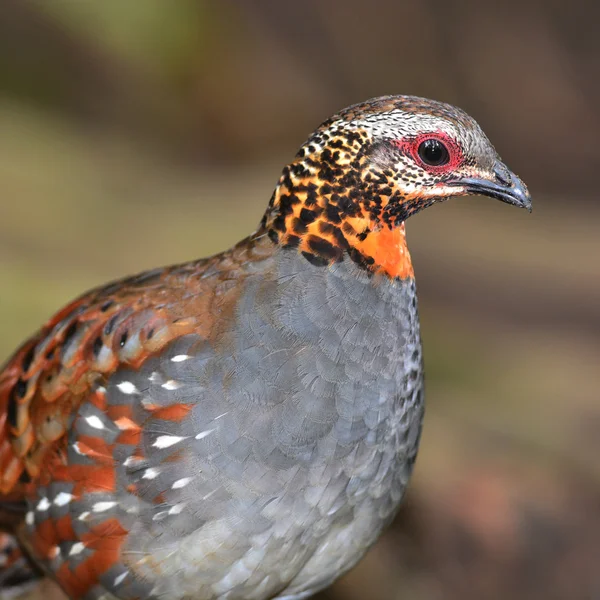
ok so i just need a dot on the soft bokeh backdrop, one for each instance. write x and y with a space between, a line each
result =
135 133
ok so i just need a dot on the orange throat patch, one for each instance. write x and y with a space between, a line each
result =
387 247
331 216
324 237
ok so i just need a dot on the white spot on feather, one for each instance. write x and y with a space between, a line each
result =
203 434
180 358
103 506
94 422
181 483
171 385
119 579
125 423
76 548
43 504
127 387
176 508
63 498
151 473
83 516
30 518
131 460
164 441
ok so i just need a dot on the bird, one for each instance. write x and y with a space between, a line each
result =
244 426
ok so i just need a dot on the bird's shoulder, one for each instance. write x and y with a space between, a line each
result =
118 325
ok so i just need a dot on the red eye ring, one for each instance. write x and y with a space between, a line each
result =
448 151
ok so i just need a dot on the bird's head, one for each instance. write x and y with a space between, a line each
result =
364 171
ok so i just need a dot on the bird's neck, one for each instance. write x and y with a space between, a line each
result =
331 220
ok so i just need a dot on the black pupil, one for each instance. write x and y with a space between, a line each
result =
433 153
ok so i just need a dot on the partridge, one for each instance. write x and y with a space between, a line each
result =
244 426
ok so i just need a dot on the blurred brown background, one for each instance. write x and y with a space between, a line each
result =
135 133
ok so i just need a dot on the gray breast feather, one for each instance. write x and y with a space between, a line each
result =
303 429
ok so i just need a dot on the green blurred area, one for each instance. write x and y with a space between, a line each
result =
134 134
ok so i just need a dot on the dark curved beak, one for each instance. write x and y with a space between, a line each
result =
506 186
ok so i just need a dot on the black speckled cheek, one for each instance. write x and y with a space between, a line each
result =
332 189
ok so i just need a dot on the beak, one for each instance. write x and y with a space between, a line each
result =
506 186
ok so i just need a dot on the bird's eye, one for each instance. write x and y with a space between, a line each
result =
433 152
